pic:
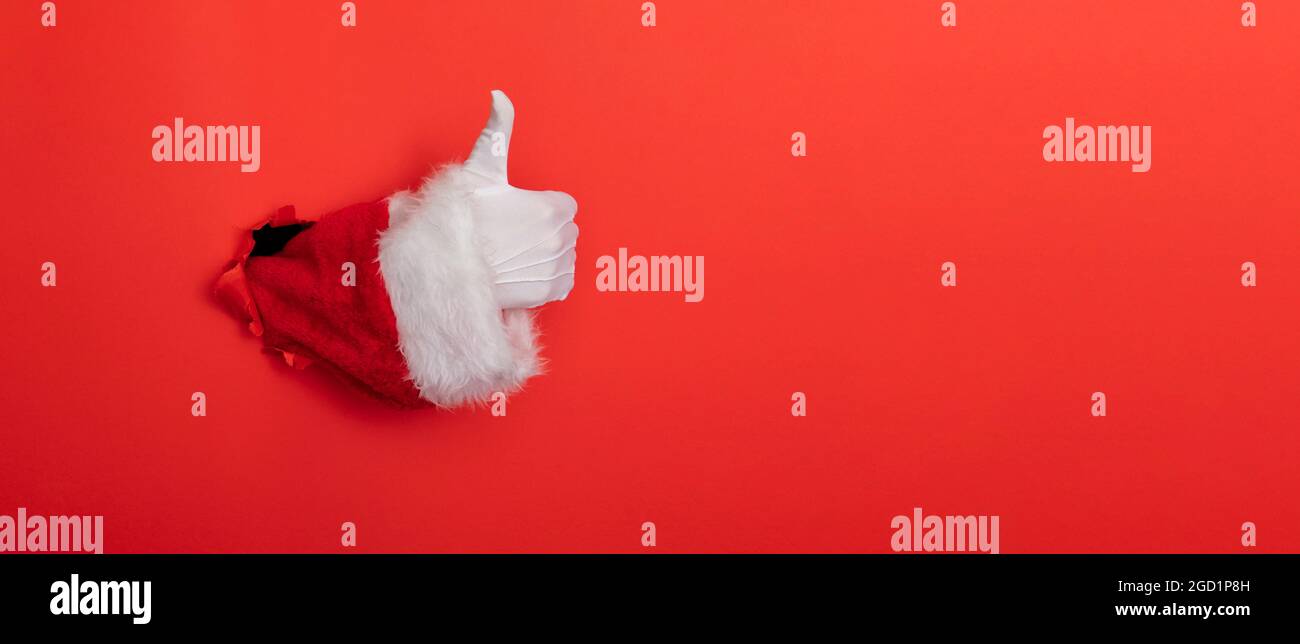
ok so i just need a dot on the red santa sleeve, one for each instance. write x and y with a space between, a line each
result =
394 296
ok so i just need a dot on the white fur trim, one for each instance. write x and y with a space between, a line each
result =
458 345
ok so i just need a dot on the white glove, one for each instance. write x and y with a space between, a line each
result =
528 235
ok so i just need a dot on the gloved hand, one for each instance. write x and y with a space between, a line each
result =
443 319
528 235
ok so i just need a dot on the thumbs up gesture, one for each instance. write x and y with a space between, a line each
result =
463 258
437 312
528 236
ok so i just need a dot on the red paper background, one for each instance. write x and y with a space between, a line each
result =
822 274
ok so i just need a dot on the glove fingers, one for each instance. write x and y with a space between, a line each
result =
518 220
552 244
545 251
526 294
551 268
